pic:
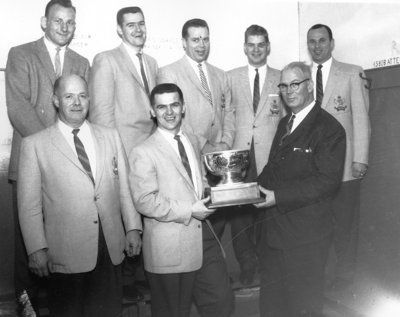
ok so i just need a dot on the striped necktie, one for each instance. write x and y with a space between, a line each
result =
256 91
289 126
204 84
184 158
82 156
143 73
57 63
320 89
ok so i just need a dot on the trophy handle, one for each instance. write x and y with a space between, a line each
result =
206 163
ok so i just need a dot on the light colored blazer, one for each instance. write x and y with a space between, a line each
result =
59 208
118 97
346 98
30 77
213 124
163 193
262 125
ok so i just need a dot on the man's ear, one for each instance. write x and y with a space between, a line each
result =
43 23
152 113
56 102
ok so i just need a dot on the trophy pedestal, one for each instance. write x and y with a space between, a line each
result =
235 194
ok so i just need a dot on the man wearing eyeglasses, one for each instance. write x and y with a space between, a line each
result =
303 173
343 94
255 98
31 71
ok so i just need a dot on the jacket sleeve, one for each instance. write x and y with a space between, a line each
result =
149 201
21 111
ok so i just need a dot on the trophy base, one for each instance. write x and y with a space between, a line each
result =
234 195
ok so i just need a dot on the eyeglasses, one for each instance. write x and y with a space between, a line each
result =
293 86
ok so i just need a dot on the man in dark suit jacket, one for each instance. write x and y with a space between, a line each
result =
31 71
303 172
75 207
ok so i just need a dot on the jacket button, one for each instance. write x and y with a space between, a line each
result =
96 198
254 126
95 221
198 226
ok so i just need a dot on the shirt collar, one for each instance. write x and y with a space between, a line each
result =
325 65
303 112
51 47
66 129
132 50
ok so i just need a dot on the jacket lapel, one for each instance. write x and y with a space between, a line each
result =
126 60
330 85
62 145
167 150
99 145
44 57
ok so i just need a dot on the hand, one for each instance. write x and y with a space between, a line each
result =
133 243
359 169
269 198
200 211
39 263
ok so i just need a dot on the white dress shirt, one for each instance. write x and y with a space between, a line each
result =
195 67
132 51
52 49
85 135
301 115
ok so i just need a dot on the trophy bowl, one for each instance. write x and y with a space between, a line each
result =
229 165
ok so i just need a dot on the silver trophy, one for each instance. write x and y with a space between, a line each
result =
231 166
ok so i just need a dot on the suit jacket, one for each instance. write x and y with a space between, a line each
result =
346 98
30 77
59 208
262 125
213 124
305 172
118 97
163 193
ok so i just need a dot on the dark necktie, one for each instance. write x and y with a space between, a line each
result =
320 89
204 84
256 91
82 156
57 63
142 72
184 158
289 126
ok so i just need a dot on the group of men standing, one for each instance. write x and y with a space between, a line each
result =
86 177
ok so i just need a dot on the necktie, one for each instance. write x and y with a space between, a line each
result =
184 158
204 84
82 156
57 63
289 126
320 89
142 72
256 91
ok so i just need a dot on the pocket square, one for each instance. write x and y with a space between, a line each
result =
301 150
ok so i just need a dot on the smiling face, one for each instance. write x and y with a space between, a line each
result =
256 50
319 45
197 43
133 29
72 100
59 26
169 110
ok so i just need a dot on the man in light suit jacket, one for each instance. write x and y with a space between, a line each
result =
209 114
255 98
30 75
303 172
346 98
75 206
120 82
183 258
